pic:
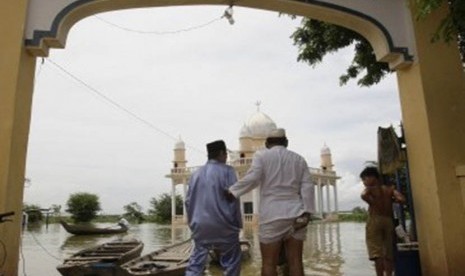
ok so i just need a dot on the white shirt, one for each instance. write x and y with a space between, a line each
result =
285 187
123 222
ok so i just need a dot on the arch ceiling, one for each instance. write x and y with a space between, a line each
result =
387 24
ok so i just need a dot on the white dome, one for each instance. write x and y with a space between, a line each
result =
179 144
258 125
325 150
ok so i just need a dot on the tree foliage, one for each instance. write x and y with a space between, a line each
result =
83 207
56 209
316 39
133 211
34 213
359 210
161 207
452 25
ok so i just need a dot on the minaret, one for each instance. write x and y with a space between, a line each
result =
326 160
179 154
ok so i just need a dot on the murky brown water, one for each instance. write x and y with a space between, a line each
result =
330 249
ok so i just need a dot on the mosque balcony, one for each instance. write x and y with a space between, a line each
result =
241 163
322 172
181 172
322 176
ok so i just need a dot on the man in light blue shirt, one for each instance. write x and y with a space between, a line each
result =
214 220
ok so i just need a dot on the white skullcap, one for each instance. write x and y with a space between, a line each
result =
277 133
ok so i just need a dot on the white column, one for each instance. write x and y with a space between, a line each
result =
336 207
173 202
320 198
328 202
256 203
316 199
184 211
317 194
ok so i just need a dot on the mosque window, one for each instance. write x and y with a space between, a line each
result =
248 208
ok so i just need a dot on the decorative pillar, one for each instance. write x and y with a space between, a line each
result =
256 204
432 96
320 198
316 197
328 202
173 203
16 86
336 206
184 211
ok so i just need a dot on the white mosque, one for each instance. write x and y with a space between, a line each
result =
252 138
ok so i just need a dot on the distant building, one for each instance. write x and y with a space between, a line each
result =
252 138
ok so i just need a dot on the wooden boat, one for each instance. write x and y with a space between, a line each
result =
102 260
245 248
168 261
90 230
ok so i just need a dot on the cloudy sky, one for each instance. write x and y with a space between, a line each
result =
199 84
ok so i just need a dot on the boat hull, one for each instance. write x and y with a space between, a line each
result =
89 230
168 261
101 260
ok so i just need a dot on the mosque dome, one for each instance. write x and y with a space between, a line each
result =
325 150
179 144
258 125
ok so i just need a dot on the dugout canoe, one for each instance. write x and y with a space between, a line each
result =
76 229
168 261
102 260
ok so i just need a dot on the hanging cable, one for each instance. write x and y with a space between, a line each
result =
117 105
22 257
43 248
160 32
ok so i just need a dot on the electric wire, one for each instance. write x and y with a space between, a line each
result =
196 27
43 248
117 105
22 257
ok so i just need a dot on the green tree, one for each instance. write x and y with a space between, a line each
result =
34 213
359 210
56 209
160 209
134 211
83 207
316 39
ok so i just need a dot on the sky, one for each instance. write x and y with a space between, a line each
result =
184 72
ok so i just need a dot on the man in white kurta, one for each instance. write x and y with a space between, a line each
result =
286 201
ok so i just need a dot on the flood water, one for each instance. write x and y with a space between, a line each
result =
330 248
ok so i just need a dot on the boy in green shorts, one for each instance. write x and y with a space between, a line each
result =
380 227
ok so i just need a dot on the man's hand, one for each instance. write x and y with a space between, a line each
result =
229 196
302 221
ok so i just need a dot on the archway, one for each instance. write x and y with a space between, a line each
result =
433 103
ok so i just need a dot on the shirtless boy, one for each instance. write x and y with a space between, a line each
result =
380 227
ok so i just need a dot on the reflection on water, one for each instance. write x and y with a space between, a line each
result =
330 248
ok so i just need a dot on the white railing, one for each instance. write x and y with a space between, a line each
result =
188 170
247 217
241 162
320 171
178 219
